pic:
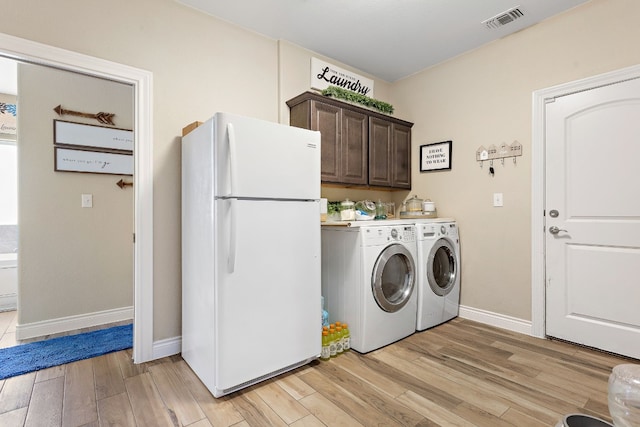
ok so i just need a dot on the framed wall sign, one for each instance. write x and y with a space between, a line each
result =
324 75
80 147
72 160
435 157
84 135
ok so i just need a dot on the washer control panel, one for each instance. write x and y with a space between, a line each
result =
404 233
396 233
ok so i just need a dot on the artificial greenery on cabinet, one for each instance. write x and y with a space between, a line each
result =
347 95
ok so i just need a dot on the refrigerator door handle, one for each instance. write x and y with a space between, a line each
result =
231 261
232 158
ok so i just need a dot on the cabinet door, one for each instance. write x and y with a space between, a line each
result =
380 137
358 147
401 157
354 147
326 119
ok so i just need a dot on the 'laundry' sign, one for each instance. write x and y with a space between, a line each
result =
324 75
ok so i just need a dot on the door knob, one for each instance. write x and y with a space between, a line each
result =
555 230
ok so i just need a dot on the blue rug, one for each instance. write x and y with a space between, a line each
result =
30 357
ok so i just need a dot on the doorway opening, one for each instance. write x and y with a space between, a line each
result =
141 81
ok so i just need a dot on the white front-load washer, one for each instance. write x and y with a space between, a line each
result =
438 273
369 281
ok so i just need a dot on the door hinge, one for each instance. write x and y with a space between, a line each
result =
134 237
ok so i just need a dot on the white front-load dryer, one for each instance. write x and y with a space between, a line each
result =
369 281
438 273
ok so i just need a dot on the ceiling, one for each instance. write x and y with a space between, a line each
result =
389 39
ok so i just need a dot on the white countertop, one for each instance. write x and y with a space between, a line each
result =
399 221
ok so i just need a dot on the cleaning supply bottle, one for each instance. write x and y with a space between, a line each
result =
346 338
325 354
332 343
325 314
338 340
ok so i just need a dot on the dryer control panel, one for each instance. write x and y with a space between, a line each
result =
450 230
435 231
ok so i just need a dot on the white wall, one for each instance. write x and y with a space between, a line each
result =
484 97
8 77
73 260
9 180
201 65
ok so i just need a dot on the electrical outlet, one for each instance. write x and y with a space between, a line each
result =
497 200
87 200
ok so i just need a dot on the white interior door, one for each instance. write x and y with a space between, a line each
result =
592 224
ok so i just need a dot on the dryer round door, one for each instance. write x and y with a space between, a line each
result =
393 278
442 267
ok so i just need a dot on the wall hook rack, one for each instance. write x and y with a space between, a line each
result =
502 152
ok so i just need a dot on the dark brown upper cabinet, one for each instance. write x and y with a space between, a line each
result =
359 147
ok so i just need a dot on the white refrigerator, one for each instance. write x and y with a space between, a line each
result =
251 306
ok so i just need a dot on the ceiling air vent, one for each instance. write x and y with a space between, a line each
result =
504 18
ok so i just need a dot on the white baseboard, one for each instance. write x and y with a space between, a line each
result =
8 302
172 346
167 347
161 348
72 323
498 320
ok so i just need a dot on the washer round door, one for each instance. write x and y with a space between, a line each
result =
393 278
442 267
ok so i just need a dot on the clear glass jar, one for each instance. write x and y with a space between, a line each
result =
624 395
414 204
366 207
390 210
347 210
381 210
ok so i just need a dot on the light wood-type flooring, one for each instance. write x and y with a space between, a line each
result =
461 373
8 321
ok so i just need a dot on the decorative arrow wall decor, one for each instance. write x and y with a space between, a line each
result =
122 184
105 118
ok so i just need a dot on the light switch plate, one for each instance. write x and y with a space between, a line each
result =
497 200
87 200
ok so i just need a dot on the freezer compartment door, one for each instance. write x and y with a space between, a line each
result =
261 159
268 306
